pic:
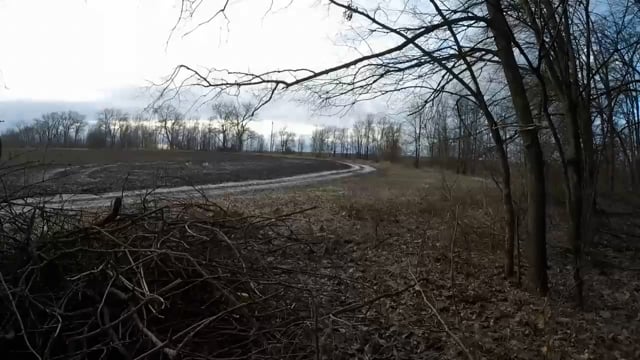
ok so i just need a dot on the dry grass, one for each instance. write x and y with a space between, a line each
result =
402 222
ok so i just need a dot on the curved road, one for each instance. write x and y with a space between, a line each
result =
85 201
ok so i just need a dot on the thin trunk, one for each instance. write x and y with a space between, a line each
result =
507 197
507 201
625 155
611 153
635 107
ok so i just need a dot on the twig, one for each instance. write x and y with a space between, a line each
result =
435 312
154 350
286 215
114 336
193 329
119 272
159 344
453 241
224 237
518 254
357 306
115 211
15 310
316 328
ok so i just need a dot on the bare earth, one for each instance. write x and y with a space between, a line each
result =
101 171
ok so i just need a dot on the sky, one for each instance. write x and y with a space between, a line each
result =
87 54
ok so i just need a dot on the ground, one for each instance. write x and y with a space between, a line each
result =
405 263
99 171
386 230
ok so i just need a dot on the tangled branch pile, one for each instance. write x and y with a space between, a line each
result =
188 281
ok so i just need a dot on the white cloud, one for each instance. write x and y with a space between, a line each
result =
96 53
80 50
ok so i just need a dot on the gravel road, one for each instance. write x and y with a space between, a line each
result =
89 201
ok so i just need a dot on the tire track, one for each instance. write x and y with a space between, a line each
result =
88 201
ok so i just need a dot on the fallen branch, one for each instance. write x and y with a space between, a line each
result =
19 318
437 315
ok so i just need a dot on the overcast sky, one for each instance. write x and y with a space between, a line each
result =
86 54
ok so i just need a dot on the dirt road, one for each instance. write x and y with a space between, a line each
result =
87 201
101 171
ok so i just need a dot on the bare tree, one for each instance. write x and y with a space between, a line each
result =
236 117
287 140
416 125
408 62
357 142
51 129
108 123
320 140
368 134
171 121
552 48
78 126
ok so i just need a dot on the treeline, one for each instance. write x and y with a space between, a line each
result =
62 129
432 132
163 127
449 132
375 137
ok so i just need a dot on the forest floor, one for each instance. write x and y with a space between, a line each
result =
388 229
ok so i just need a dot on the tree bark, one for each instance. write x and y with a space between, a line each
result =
537 246
575 203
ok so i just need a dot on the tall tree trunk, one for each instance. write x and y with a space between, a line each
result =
576 187
537 249
507 202
608 129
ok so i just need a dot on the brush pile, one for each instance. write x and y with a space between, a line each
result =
186 281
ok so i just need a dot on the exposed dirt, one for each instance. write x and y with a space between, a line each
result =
95 171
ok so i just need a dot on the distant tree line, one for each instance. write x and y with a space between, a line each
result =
375 136
163 127
61 129
448 132
445 131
